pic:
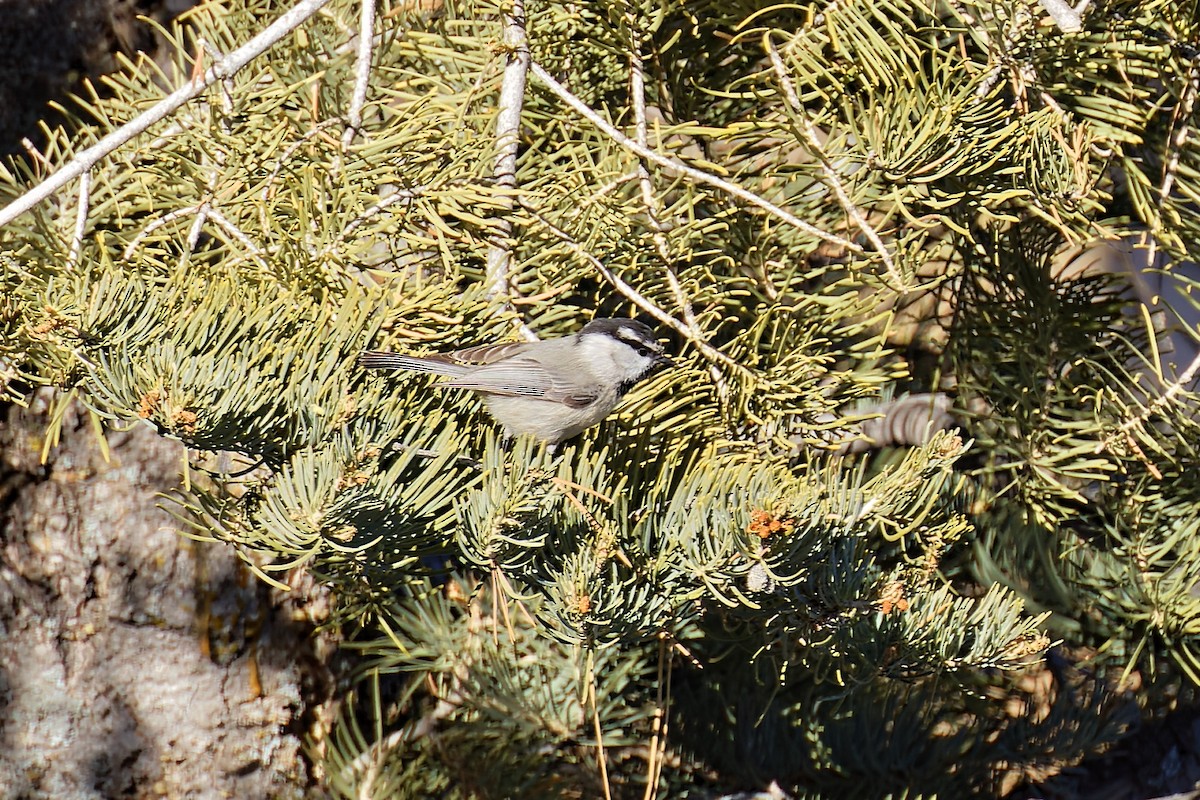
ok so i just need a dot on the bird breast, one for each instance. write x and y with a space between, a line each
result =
546 420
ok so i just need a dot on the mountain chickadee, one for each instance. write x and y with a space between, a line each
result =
551 389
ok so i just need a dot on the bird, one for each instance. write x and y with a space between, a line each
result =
552 389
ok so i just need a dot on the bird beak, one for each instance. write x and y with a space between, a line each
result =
664 361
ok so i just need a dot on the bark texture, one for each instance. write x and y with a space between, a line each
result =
133 661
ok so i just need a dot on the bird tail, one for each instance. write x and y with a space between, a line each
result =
377 359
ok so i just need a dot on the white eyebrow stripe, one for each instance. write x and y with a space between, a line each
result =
631 336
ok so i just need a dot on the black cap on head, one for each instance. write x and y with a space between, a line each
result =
611 326
633 333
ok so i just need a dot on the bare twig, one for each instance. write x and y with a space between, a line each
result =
633 295
362 71
832 179
34 153
217 168
1180 384
1068 20
679 168
1016 30
508 130
615 183
390 200
600 757
197 228
1126 430
151 227
637 93
169 133
81 212
233 230
1187 102
221 70
637 84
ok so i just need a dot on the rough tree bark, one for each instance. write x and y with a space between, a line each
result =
133 661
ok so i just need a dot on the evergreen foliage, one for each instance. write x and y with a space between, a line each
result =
699 596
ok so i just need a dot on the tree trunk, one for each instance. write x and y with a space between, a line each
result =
135 662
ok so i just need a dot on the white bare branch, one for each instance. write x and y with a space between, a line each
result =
679 168
508 132
362 71
81 212
633 295
637 92
832 179
220 70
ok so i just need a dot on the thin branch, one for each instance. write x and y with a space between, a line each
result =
600 757
832 179
197 228
615 183
1126 429
391 200
362 72
1068 20
637 80
172 130
151 227
1180 384
679 168
633 295
34 153
1184 114
1016 30
216 169
637 84
508 140
233 230
205 210
81 212
221 70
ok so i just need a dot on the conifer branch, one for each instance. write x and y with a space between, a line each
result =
637 91
362 71
1184 114
153 225
81 212
615 183
679 168
290 150
632 294
369 212
832 179
1068 20
1177 386
222 69
233 230
508 132
1002 61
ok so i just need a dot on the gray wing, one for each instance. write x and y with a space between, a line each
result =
453 364
485 353
377 359
522 377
